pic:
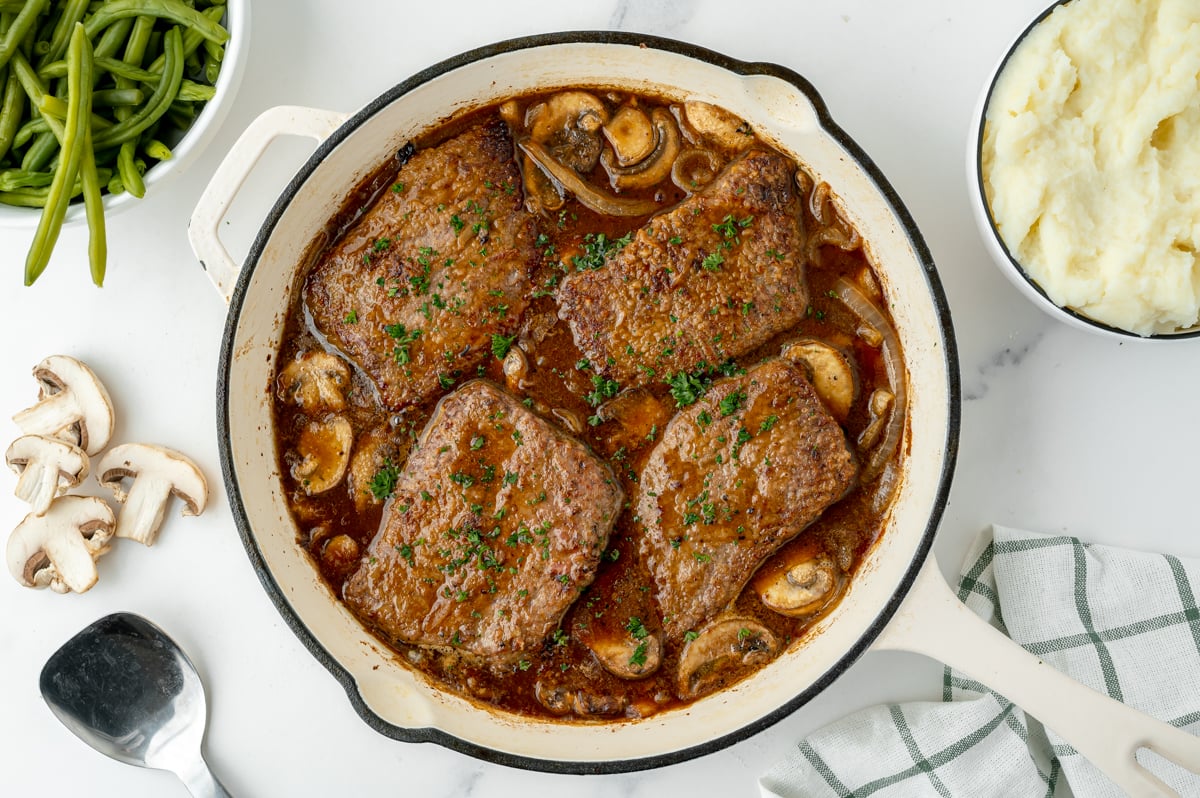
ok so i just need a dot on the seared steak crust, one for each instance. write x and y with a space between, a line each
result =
709 280
415 289
497 524
736 475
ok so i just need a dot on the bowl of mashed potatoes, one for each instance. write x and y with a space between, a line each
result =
1084 165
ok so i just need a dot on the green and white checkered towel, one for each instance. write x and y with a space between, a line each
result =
1120 621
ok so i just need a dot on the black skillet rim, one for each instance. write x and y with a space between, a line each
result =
950 354
977 179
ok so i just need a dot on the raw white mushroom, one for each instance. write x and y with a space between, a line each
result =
59 549
157 474
72 404
48 467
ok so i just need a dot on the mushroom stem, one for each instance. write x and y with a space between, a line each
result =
586 194
142 515
50 416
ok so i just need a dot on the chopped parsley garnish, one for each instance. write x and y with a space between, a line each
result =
446 381
501 344
510 477
457 223
602 389
596 248
383 484
689 635
477 443
404 338
638 658
687 388
636 628
712 262
351 317
732 402
768 422
398 188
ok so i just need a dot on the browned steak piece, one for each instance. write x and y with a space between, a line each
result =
416 288
709 280
497 524
735 476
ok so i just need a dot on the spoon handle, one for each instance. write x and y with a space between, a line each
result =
201 782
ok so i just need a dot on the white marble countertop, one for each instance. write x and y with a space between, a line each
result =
1061 430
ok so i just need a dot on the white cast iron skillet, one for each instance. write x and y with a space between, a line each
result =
898 586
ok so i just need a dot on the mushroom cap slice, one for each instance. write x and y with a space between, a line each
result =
630 134
157 474
315 381
830 372
48 467
324 448
568 123
718 125
72 404
656 166
723 652
626 656
799 588
59 549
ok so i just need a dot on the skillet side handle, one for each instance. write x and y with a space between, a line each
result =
933 622
227 181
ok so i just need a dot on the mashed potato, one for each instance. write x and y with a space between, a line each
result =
1091 160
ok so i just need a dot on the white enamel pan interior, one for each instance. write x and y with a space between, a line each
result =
785 109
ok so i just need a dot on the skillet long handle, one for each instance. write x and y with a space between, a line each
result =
932 621
204 226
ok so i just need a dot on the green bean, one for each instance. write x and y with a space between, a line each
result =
191 38
73 12
21 27
93 204
157 150
35 89
120 99
173 10
135 51
12 179
39 154
116 185
51 107
10 111
157 105
214 51
36 196
114 37
79 81
28 130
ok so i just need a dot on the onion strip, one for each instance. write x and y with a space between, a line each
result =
872 317
586 194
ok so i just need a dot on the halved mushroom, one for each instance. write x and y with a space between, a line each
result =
48 467
717 125
315 381
72 404
626 656
59 549
695 169
324 449
724 651
568 123
631 135
830 372
157 474
654 167
516 369
798 585
340 554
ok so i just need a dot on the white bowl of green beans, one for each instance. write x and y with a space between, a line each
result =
101 102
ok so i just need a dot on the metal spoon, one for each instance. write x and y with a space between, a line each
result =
126 689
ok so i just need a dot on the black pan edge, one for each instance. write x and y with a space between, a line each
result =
987 210
279 598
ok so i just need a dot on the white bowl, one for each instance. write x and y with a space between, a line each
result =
1008 264
237 22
